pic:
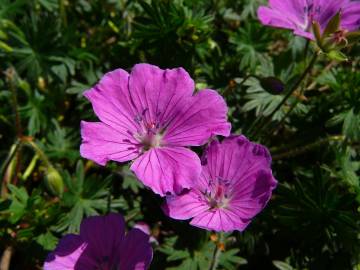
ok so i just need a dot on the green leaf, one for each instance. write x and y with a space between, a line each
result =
130 181
19 200
230 258
282 265
178 255
351 126
47 240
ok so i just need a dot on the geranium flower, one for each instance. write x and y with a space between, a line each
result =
235 185
299 15
102 244
149 116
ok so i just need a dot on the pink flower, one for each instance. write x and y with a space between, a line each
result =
150 116
102 244
298 15
235 185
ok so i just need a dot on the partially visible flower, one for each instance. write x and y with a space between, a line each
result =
143 227
102 244
235 185
299 15
150 116
146 229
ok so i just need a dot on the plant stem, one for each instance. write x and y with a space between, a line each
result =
303 149
285 116
6 258
39 152
10 76
4 181
63 12
217 252
291 91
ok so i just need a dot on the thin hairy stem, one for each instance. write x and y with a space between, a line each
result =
6 258
217 252
290 92
10 76
306 148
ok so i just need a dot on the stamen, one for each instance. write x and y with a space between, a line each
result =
149 132
219 194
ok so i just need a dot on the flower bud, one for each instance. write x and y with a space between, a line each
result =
272 85
337 55
41 83
54 181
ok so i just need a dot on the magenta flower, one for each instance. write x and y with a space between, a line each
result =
235 185
102 244
150 116
298 15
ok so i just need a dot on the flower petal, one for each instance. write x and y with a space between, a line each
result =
167 170
136 252
252 196
350 18
154 92
235 159
111 101
185 206
219 220
243 170
268 16
104 235
102 142
67 254
197 119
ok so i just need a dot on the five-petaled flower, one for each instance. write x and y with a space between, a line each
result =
299 15
150 116
235 185
102 245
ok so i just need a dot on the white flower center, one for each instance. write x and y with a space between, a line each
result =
219 195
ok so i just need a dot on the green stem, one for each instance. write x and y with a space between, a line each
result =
14 148
10 75
291 91
303 149
39 152
30 167
109 198
216 255
285 116
3 177
63 12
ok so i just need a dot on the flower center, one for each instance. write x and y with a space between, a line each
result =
150 140
105 264
219 194
149 133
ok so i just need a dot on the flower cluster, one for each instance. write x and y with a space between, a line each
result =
151 117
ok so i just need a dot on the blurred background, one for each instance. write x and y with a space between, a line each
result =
53 50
